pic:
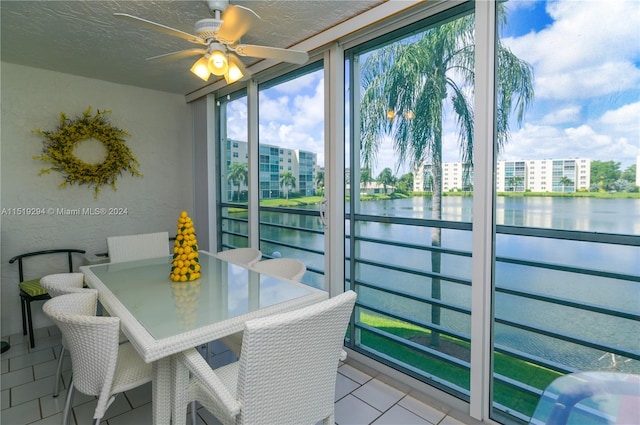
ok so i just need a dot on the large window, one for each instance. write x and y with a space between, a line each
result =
492 233
409 245
566 274
291 169
234 171
565 203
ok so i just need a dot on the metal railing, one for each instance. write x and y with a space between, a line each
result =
461 390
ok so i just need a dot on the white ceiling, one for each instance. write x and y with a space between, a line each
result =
84 38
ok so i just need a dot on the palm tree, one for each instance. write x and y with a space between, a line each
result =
287 180
386 178
365 175
514 182
405 86
320 181
238 175
565 181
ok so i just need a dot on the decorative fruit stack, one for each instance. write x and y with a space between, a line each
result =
186 265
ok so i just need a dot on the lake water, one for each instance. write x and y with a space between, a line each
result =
618 216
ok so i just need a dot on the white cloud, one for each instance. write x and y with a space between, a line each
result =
522 4
588 82
298 84
585 64
587 49
237 119
623 116
567 114
274 109
575 142
294 120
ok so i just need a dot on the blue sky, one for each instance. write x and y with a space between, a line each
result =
586 60
586 57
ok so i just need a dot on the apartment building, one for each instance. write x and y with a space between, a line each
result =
273 162
536 175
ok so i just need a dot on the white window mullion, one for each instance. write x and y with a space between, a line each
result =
483 210
253 167
334 169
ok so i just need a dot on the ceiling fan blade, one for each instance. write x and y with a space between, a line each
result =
236 21
178 55
286 55
162 28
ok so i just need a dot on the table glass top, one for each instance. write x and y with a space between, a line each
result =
166 308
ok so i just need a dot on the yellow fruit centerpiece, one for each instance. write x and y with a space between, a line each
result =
186 265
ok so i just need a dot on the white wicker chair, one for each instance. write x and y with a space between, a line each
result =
286 373
289 268
56 285
101 366
242 256
138 247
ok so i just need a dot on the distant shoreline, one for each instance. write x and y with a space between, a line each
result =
314 200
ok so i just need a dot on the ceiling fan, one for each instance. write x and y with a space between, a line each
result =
219 38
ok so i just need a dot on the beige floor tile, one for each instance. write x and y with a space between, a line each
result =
354 374
18 377
398 415
421 409
378 394
351 410
344 386
21 414
31 391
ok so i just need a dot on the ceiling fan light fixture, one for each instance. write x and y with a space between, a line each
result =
201 68
235 72
218 64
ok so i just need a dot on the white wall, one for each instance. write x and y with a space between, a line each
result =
160 125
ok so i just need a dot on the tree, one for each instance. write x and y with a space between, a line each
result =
622 185
320 181
238 175
514 182
405 183
287 180
365 175
404 89
605 173
386 178
630 174
565 181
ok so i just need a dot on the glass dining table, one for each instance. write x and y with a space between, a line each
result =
162 318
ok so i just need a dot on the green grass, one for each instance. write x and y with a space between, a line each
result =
291 202
516 369
313 200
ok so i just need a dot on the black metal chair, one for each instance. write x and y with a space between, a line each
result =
30 290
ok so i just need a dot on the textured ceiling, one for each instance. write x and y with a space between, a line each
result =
84 38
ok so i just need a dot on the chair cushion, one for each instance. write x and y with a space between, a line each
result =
32 287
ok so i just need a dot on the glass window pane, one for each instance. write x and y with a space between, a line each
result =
234 172
568 209
412 145
291 164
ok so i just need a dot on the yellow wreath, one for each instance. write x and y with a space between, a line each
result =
59 146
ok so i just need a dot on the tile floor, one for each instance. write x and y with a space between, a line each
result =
28 374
